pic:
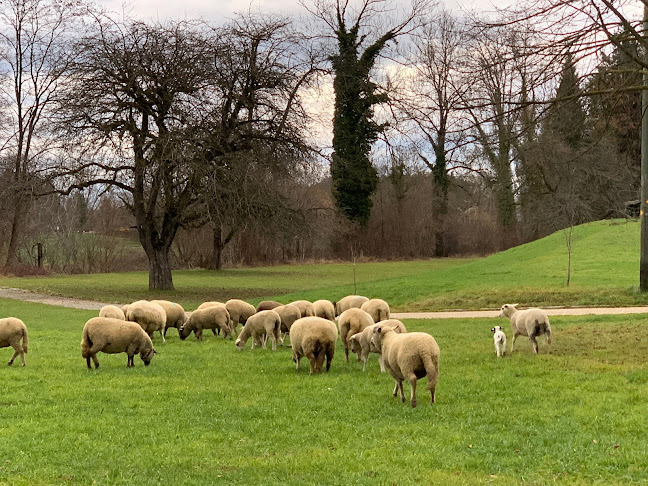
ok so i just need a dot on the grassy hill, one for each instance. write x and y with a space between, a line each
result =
605 271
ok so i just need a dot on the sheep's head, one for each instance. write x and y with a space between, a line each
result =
147 356
496 329
507 310
378 335
184 331
355 344
240 344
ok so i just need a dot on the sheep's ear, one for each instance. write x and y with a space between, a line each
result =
155 352
378 329
514 305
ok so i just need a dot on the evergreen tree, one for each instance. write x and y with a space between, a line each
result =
566 118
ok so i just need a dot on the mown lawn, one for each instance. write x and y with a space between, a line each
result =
605 271
203 413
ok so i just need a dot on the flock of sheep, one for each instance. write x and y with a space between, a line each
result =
363 324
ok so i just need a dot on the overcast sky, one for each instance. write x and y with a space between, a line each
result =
218 10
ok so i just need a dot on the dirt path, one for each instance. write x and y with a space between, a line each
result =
27 296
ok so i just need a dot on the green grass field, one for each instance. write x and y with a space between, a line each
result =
204 413
605 271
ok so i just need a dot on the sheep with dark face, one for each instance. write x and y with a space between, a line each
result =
213 317
529 322
115 336
408 357
12 331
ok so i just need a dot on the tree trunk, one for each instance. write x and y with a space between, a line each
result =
160 277
217 252
12 249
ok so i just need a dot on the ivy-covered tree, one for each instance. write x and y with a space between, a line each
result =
354 178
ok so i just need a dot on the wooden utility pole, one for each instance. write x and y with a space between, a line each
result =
643 262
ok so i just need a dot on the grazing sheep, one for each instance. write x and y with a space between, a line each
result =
352 321
175 314
240 311
529 322
378 309
214 317
261 326
360 343
12 330
500 340
408 357
149 315
288 314
324 309
305 307
124 309
349 302
112 311
313 337
115 336
211 303
267 305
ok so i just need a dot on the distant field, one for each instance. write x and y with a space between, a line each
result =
605 271
205 414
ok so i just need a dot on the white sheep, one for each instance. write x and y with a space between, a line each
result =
348 302
149 315
175 314
408 357
12 330
360 343
261 326
378 309
305 307
205 305
350 322
213 317
112 311
313 337
240 311
288 314
531 322
115 336
499 338
325 309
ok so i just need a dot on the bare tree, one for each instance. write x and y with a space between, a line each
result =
168 103
35 40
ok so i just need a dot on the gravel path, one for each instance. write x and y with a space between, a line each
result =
27 296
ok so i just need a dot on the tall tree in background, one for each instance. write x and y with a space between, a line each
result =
360 40
35 51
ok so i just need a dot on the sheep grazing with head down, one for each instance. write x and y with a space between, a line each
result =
360 343
409 356
531 322
112 311
149 315
313 337
240 311
115 336
260 327
352 321
267 305
288 314
12 331
175 314
499 338
349 302
378 309
324 309
213 317
305 307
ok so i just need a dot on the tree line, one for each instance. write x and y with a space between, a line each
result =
450 134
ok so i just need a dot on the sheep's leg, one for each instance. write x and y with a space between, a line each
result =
329 357
504 346
395 392
346 351
198 333
129 362
88 363
413 396
162 333
497 349
312 359
534 341
273 338
17 351
264 341
515 336
96 361
296 359
549 339
365 359
319 361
